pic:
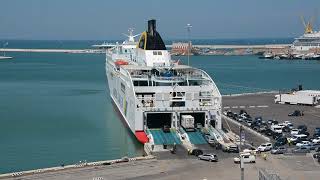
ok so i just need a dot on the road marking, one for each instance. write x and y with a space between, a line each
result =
226 107
242 106
234 107
252 106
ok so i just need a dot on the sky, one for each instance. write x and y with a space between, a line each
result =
108 19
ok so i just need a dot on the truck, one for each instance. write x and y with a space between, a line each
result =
187 122
304 97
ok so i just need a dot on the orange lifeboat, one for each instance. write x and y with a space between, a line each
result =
121 62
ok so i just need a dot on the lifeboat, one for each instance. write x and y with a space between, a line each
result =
121 62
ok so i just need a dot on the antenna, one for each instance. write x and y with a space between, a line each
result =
131 36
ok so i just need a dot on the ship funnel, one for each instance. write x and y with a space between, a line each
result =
152 27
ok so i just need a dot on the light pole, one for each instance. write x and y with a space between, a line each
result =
189 26
240 156
4 45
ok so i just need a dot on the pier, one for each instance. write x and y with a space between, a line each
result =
89 51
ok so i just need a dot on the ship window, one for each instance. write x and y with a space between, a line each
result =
140 83
154 52
177 104
123 88
159 53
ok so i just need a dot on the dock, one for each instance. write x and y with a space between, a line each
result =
89 51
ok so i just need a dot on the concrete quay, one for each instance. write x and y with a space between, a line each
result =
264 46
89 51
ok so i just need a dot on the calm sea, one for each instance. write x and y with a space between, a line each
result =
55 108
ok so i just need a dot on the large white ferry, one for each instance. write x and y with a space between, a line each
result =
309 40
154 94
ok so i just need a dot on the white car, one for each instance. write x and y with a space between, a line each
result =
276 128
247 158
208 157
303 143
210 139
297 137
294 131
265 147
316 140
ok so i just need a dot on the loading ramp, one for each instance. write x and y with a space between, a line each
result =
196 137
160 137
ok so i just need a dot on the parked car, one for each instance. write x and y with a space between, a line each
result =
242 111
208 157
268 132
316 155
297 138
276 135
246 158
286 129
303 143
279 150
265 147
296 113
301 149
317 149
294 131
302 128
248 122
316 140
281 141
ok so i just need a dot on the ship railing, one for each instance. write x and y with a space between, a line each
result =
171 78
142 76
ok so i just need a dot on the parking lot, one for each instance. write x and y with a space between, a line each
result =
263 105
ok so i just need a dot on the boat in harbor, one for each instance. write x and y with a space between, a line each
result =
159 99
309 40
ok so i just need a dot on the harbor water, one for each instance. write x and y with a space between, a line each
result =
55 108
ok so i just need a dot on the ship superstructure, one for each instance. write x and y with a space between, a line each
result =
309 40
153 93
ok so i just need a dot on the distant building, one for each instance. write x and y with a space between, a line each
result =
181 48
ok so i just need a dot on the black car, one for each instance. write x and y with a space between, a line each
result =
286 129
316 155
242 111
196 152
268 132
302 128
281 141
276 135
296 113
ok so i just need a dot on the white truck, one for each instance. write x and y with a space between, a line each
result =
304 97
187 122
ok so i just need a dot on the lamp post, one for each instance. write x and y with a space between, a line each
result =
189 26
240 156
4 45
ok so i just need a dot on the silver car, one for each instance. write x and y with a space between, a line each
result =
208 157
278 150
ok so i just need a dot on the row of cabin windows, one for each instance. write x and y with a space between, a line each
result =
145 83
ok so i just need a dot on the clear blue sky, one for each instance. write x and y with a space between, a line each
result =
107 19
